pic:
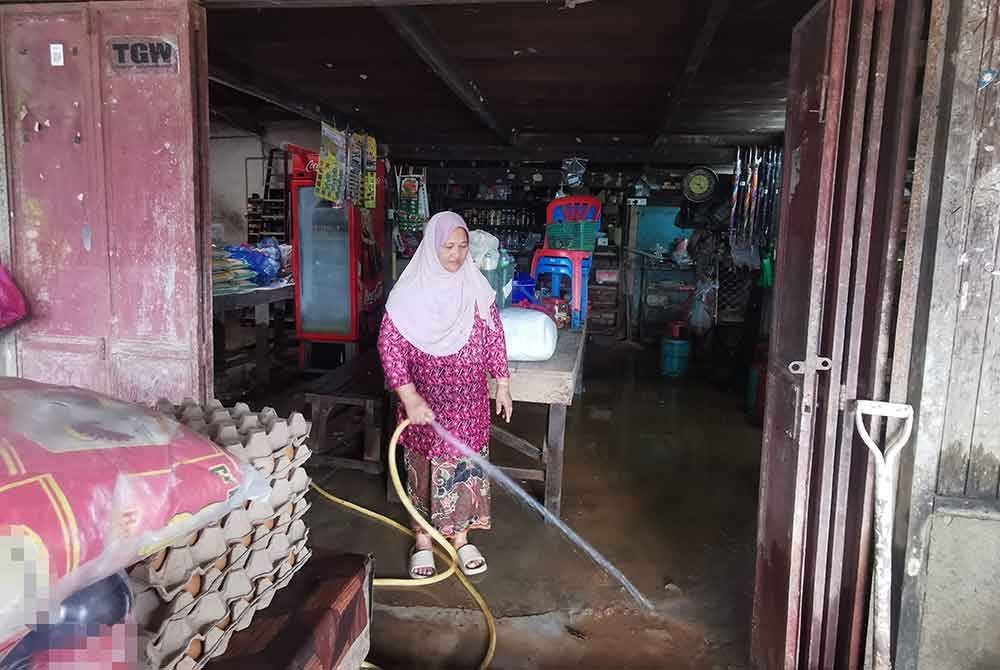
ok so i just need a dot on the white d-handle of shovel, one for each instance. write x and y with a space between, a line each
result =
886 466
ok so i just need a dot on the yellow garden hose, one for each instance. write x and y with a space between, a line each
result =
448 550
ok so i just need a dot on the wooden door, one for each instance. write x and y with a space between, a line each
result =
816 81
150 120
59 233
106 119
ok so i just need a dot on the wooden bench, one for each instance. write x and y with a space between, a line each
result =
357 383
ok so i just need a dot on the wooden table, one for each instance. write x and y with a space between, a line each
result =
553 383
261 300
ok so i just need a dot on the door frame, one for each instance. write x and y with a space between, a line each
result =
8 336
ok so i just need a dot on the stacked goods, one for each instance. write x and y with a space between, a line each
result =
602 309
89 485
230 275
191 596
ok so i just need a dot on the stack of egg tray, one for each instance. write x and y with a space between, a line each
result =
190 597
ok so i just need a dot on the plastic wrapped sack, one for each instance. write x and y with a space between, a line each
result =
531 334
12 305
484 249
91 485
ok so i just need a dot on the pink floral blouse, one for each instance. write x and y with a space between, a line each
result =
454 386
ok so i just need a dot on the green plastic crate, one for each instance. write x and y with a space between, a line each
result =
572 236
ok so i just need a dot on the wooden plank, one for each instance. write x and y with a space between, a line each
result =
302 4
524 474
414 29
717 11
555 444
944 152
981 285
275 93
972 237
509 439
988 510
720 158
230 301
262 328
373 433
551 381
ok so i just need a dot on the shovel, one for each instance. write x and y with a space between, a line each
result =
886 468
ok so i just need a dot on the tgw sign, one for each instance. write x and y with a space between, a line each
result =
143 53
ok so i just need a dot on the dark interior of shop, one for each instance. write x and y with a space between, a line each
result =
487 100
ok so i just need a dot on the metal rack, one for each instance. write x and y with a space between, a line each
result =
268 215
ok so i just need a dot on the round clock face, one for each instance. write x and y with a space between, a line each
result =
699 184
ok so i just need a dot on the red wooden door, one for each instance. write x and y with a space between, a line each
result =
59 233
816 83
150 116
106 110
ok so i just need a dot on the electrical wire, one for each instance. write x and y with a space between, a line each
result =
446 550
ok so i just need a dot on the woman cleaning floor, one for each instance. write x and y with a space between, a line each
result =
440 342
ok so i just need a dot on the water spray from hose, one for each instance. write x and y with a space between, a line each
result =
497 475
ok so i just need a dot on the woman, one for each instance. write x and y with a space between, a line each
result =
440 341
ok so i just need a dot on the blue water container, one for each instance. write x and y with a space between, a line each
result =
674 355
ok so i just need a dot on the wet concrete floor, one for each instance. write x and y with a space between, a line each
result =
660 476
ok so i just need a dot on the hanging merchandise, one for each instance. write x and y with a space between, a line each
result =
355 165
573 170
754 205
332 163
371 180
368 197
411 213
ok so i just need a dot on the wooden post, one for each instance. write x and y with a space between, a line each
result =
554 458
262 323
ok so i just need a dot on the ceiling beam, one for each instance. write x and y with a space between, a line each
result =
680 154
278 96
703 40
302 4
534 138
416 32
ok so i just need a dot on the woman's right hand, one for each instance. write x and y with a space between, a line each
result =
417 410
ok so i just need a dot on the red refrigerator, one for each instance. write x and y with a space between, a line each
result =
337 258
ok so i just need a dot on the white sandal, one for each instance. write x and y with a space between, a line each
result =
421 559
467 554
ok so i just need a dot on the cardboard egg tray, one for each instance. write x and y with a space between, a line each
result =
191 596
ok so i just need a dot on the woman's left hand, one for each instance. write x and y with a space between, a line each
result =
505 404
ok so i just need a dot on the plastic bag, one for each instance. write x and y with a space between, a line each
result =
90 485
68 641
12 305
484 249
531 335
264 265
699 317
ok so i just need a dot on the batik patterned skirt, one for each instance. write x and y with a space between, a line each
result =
451 492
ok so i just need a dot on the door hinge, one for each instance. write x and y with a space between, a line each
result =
824 84
823 364
104 349
843 398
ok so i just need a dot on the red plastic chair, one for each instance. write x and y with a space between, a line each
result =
573 208
568 209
